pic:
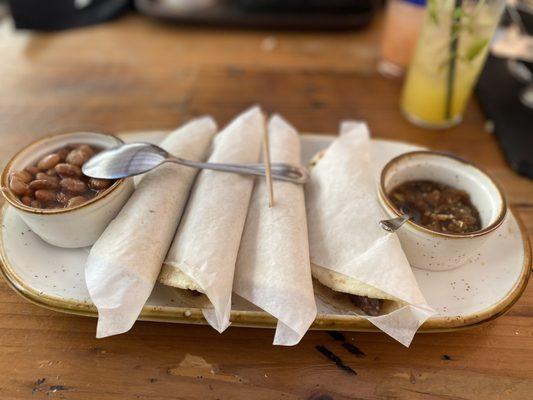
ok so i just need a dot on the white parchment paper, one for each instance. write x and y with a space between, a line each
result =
273 270
344 235
124 263
207 241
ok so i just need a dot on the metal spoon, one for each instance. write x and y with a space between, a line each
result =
136 158
393 224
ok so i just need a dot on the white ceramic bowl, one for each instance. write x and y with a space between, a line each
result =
75 226
437 251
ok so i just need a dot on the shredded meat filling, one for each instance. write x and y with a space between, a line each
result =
368 305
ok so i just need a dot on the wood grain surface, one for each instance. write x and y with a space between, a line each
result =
135 73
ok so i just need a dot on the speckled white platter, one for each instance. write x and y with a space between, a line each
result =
478 292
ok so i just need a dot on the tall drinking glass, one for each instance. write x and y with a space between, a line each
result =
450 53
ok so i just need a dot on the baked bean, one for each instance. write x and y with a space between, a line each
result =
46 177
18 187
26 200
43 184
77 157
73 185
86 149
63 153
53 205
23 176
99 184
68 170
32 170
48 161
57 180
76 201
45 196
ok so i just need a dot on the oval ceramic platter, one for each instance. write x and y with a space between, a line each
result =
53 277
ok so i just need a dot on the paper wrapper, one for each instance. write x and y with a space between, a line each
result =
204 251
345 237
273 270
124 263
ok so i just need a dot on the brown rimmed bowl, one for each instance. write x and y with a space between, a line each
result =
70 227
440 251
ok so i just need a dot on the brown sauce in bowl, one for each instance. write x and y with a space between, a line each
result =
436 206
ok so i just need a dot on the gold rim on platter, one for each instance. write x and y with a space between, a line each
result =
261 319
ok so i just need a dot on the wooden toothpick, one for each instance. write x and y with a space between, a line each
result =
268 171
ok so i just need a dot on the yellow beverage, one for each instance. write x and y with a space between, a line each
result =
448 59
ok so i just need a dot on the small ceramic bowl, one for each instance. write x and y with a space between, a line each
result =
437 251
71 227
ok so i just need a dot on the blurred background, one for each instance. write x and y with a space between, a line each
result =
437 54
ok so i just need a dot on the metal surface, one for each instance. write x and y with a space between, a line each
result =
393 224
136 158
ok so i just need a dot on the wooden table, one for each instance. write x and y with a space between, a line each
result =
136 74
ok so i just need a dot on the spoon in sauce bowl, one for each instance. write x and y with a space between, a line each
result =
393 224
136 158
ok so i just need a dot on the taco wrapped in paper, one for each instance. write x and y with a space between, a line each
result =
273 270
204 250
351 254
124 263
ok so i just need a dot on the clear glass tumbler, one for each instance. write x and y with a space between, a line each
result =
403 21
450 53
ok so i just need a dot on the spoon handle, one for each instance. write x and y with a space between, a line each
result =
280 171
393 224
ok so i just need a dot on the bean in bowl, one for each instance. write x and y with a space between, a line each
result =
56 180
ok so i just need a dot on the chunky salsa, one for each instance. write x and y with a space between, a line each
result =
437 206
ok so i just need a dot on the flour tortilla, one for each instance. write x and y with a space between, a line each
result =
346 284
171 275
